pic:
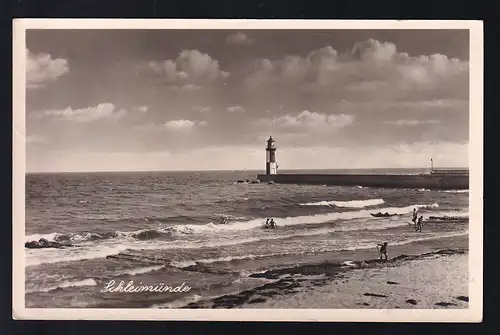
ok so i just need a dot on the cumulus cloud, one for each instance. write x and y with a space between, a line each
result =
293 69
142 109
404 122
187 88
235 109
313 120
371 66
191 66
183 125
239 39
41 68
104 111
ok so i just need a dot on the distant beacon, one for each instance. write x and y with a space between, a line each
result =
271 166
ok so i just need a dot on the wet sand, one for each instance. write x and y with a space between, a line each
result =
435 277
427 282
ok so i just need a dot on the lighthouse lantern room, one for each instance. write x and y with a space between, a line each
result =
271 166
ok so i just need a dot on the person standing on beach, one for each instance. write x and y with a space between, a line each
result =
382 250
419 224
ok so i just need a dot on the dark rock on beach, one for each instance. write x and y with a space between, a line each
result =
445 304
392 283
463 298
237 300
207 269
375 295
306 270
43 243
383 215
411 301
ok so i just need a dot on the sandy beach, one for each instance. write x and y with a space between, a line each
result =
435 278
426 282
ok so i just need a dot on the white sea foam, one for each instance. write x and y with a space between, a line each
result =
142 270
77 283
183 264
456 191
307 219
459 214
349 264
349 204
93 251
36 237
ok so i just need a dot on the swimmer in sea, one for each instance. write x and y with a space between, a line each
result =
272 224
267 223
382 250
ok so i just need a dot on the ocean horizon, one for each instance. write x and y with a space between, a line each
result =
257 171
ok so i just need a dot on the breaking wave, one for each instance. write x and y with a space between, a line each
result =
188 229
360 246
129 241
349 204
77 283
138 271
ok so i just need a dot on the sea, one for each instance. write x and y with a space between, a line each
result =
162 228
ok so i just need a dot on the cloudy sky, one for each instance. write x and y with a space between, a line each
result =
111 100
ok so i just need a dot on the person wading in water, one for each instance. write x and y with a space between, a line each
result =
414 219
272 224
419 224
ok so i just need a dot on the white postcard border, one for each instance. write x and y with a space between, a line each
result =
472 314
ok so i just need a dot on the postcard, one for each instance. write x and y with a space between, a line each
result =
248 170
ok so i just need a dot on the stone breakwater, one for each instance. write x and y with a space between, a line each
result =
425 181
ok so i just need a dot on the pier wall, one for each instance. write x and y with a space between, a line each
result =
428 181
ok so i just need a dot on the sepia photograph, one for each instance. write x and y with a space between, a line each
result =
268 168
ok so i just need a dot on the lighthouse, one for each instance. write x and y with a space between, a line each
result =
271 166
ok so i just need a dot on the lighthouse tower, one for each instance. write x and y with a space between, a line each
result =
271 166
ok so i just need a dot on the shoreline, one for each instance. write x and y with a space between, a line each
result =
432 277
